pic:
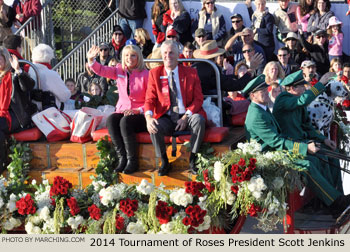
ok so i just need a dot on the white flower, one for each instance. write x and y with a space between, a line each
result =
277 183
98 184
11 223
45 182
256 194
1 203
33 182
135 228
253 147
273 206
49 226
145 188
228 195
74 222
205 225
11 205
181 198
44 213
166 228
29 227
36 220
111 193
43 199
218 170
256 185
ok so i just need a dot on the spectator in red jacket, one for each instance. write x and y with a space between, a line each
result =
26 9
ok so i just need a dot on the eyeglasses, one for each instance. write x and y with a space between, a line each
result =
321 36
247 51
103 49
118 34
201 36
236 21
208 3
282 55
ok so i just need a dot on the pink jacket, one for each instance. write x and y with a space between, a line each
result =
302 20
138 85
335 45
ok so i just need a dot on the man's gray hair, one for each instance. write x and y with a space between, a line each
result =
174 45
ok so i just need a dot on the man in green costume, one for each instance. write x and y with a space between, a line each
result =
262 126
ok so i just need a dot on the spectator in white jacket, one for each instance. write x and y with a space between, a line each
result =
50 80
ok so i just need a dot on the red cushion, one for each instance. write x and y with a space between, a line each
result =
28 135
238 120
142 137
212 135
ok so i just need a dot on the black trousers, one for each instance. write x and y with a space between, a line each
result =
4 131
123 129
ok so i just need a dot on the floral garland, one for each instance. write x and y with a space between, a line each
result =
242 182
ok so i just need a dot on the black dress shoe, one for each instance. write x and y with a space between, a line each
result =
164 169
121 165
339 205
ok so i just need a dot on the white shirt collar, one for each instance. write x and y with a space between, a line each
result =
176 71
261 106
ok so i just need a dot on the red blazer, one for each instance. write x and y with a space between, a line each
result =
158 96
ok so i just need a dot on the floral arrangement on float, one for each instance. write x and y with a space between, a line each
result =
242 182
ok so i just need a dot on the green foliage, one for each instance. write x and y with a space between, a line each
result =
95 100
18 169
108 161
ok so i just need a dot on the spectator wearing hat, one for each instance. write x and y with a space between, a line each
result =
237 26
104 56
212 21
200 36
335 44
50 80
293 44
309 72
118 41
171 34
13 43
318 50
132 14
235 49
210 50
287 63
144 41
179 19
262 25
7 17
320 19
249 54
285 19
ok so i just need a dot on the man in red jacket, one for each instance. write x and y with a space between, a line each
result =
174 103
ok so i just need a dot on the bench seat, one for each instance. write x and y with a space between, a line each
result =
28 135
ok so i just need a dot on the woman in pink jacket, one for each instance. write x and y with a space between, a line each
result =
131 77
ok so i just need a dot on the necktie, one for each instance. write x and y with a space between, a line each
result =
128 87
174 108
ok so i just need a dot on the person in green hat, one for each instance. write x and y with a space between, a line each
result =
290 111
262 126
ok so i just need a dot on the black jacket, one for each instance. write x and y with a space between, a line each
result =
319 54
21 104
146 49
208 80
132 9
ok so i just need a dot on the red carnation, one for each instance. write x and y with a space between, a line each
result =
26 205
60 186
128 207
241 162
119 222
95 212
73 206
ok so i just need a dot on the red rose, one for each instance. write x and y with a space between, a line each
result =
119 222
241 162
26 205
73 206
234 189
95 212
186 221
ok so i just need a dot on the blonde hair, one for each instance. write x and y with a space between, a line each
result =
280 75
140 64
181 6
143 35
239 65
333 61
4 53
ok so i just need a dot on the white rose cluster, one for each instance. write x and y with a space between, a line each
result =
181 198
44 213
135 228
11 223
98 185
252 147
227 195
145 187
256 186
49 226
205 225
43 199
11 205
31 228
218 170
109 194
166 228
75 221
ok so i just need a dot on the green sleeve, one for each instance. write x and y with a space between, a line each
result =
291 102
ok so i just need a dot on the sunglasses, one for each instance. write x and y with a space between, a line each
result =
282 55
236 21
247 51
103 49
201 36
118 34
208 3
321 36
171 36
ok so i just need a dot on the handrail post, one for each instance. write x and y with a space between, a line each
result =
35 70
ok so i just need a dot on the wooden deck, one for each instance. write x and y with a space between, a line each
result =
77 162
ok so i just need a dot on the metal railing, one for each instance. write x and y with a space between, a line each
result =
36 30
74 62
218 96
35 71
